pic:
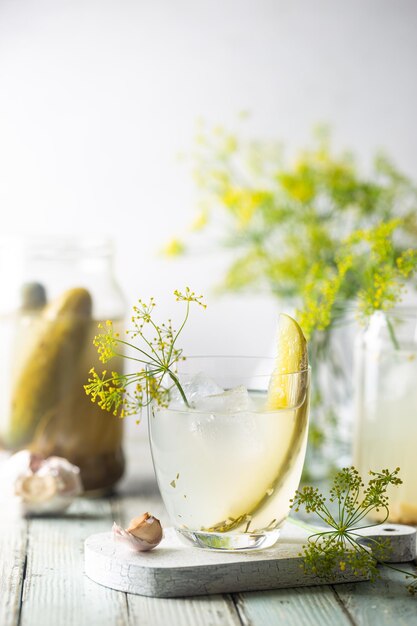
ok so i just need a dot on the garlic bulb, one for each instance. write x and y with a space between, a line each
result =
143 533
43 486
34 489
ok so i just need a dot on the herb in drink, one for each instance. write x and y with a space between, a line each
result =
153 347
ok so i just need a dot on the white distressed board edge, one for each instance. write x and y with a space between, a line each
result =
174 569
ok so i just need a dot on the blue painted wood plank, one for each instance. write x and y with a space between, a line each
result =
305 606
56 592
384 603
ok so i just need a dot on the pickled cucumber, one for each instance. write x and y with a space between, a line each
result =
48 371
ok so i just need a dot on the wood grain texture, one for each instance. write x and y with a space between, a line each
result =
55 591
384 603
295 607
13 534
197 611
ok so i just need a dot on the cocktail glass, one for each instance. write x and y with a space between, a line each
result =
228 467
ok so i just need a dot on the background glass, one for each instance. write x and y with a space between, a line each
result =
386 404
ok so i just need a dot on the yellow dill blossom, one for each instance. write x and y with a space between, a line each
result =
319 232
298 186
244 203
321 291
384 270
200 221
407 262
173 248
152 347
106 342
189 296
315 230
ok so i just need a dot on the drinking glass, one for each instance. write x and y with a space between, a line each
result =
228 468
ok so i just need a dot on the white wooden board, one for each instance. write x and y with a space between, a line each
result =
174 569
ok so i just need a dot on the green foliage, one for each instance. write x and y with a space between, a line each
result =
155 350
318 232
338 545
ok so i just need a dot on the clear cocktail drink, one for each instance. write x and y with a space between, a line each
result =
228 468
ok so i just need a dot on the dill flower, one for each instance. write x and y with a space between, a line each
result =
338 545
153 347
315 231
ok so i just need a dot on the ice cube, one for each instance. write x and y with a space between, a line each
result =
201 386
196 388
230 401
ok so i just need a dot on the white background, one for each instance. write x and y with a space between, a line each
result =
97 97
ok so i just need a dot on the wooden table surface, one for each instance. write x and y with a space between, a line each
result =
42 581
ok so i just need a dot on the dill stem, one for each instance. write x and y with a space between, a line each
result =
131 345
187 312
180 389
129 358
391 332
159 336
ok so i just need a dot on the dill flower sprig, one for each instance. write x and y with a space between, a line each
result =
315 229
153 346
340 544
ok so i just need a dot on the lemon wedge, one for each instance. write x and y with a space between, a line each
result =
288 391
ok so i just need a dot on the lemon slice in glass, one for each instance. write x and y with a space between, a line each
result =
286 387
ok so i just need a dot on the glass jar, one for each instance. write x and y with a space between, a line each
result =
386 405
55 291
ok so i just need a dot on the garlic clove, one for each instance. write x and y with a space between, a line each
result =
144 533
146 527
128 540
